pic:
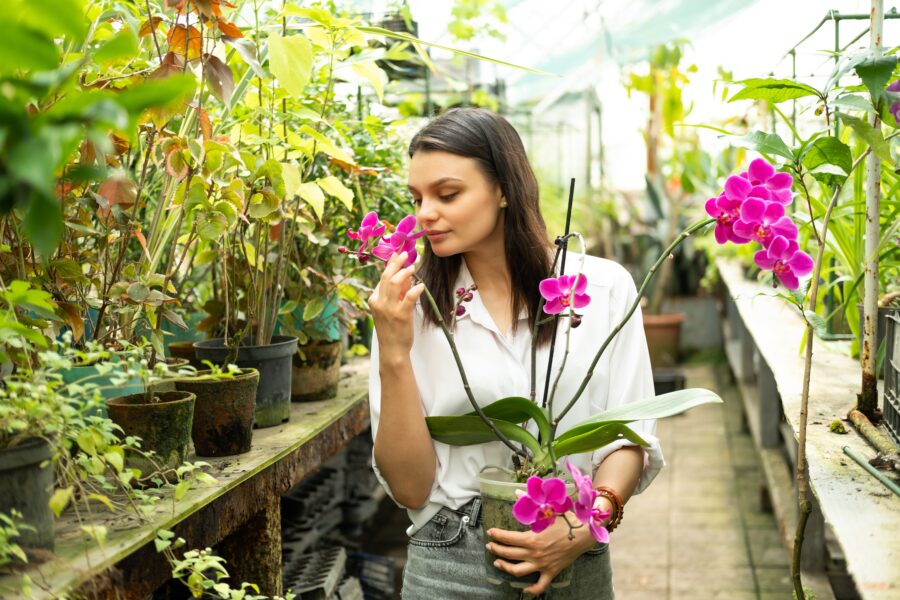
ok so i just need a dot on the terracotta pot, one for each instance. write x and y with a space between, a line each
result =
316 376
223 414
185 350
163 422
663 338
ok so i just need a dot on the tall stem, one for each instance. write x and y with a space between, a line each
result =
612 334
465 380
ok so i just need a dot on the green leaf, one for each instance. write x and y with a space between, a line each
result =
121 47
103 499
374 75
67 269
156 93
602 434
323 144
115 456
319 15
55 18
313 308
659 407
766 143
182 488
161 544
312 195
98 532
773 90
290 60
26 50
408 38
873 137
262 205
875 71
60 499
817 322
467 430
516 409
828 152
211 225
854 102
333 186
290 174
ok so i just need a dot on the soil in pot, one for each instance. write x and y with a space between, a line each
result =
26 486
162 421
498 494
223 413
663 338
273 394
316 376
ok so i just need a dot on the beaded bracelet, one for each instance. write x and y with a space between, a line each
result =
618 507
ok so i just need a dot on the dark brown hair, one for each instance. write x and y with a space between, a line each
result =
495 145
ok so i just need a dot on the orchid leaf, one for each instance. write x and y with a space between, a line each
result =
517 409
765 143
467 430
599 435
659 407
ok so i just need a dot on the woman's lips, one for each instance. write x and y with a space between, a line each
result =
435 236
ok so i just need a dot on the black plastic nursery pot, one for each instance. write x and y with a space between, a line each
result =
163 422
316 376
273 361
223 413
26 484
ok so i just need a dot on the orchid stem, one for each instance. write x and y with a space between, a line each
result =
554 423
462 373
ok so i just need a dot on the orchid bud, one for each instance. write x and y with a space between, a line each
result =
460 292
343 250
460 310
575 320
468 297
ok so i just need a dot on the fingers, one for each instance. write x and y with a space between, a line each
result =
394 264
511 538
541 586
510 552
519 569
413 295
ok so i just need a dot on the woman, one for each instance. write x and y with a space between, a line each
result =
477 199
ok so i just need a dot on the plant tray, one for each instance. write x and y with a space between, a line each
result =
892 378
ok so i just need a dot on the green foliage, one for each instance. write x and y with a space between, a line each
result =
11 527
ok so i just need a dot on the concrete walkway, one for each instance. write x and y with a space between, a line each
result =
698 532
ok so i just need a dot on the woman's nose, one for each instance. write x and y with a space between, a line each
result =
426 212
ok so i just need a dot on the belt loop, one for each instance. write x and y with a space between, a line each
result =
475 512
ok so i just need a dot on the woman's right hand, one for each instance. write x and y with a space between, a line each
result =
392 304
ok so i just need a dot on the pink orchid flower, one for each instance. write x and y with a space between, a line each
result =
369 228
761 173
584 507
558 293
726 212
543 502
786 260
402 240
895 106
764 221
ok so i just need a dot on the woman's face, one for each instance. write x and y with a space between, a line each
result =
455 203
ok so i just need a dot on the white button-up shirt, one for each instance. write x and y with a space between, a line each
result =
498 365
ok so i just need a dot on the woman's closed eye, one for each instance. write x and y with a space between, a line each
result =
448 197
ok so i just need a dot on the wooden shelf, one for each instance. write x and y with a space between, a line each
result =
863 515
127 566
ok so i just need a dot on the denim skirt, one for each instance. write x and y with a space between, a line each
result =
445 561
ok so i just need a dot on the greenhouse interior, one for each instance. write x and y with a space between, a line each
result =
466 278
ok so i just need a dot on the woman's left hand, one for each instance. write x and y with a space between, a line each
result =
548 552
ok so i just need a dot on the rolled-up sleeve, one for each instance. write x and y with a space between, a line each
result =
375 410
630 380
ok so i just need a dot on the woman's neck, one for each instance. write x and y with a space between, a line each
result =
489 271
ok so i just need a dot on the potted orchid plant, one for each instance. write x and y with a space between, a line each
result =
750 208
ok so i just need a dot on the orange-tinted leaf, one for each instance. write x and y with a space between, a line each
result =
87 153
353 169
149 26
176 4
229 4
119 191
120 144
229 29
205 124
185 40
175 164
171 64
71 314
275 231
219 77
143 241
